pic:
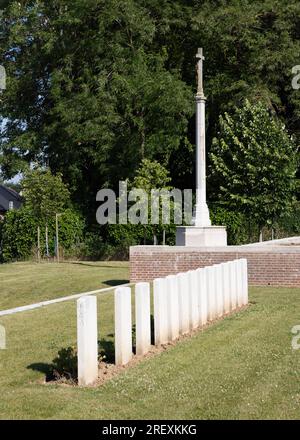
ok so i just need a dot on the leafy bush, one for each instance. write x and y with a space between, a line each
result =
131 235
235 222
254 161
19 233
93 248
71 227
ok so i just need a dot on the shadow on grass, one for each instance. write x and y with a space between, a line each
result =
64 366
83 263
46 369
115 282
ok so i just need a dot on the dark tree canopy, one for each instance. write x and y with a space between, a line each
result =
95 86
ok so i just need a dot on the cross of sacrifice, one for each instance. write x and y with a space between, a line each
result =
200 58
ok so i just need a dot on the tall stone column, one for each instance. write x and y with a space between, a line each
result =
201 232
201 212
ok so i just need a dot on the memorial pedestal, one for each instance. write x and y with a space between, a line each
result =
201 236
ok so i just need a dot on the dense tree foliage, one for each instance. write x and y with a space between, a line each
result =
254 162
44 194
96 86
18 234
87 94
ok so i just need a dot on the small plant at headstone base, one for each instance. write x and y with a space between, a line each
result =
253 164
64 366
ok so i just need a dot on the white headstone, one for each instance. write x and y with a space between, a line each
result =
160 311
233 296
87 340
172 307
240 282
226 286
184 321
123 326
219 289
245 281
202 298
142 318
193 299
211 292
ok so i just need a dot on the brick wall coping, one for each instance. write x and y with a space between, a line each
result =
281 249
290 241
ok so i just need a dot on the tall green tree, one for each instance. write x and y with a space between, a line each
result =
44 194
151 175
95 86
254 164
88 93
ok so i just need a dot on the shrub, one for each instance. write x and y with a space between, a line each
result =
65 364
19 233
235 222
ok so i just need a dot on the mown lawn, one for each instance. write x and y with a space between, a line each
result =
26 283
239 368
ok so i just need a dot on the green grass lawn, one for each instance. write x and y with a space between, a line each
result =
241 367
26 283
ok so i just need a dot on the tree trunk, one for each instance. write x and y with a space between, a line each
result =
56 239
47 242
39 244
260 235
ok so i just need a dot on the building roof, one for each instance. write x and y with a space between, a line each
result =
12 192
8 195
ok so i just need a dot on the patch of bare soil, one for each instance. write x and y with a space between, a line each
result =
108 371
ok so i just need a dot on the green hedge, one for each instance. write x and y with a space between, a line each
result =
18 234
235 222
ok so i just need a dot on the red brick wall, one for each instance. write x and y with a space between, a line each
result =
274 267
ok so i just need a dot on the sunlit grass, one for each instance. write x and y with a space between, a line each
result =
26 283
241 367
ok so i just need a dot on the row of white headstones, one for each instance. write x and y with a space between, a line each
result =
182 303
